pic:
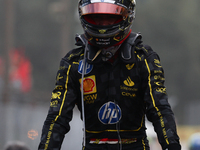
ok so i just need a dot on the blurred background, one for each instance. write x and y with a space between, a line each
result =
35 35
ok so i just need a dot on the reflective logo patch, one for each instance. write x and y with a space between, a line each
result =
88 67
108 114
89 85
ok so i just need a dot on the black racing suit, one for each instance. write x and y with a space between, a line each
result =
117 96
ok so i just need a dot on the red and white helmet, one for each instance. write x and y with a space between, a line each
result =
107 35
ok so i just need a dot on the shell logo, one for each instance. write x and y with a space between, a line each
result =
89 85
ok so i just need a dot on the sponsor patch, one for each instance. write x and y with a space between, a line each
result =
157 63
129 82
108 114
56 95
128 94
88 67
161 90
112 141
130 66
54 103
89 85
90 98
59 77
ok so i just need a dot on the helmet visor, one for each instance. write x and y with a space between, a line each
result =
103 8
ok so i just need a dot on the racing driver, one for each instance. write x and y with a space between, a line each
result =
115 80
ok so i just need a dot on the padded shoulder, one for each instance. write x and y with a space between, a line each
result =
146 49
74 54
127 48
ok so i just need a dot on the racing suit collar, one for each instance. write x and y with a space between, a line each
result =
126 48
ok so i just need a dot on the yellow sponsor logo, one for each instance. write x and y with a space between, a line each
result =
54 103
61 67
158 83
129 67
162 125
158 71
157 63
161 90
140 58
59 87
56 95
58 77
128 141
89 99
129 82
48 136
128 94
158 78
102 31
128 88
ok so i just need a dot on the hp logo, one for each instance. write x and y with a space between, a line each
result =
88 67
109 113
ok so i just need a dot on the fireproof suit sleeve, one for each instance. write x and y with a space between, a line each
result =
158 111
63 100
